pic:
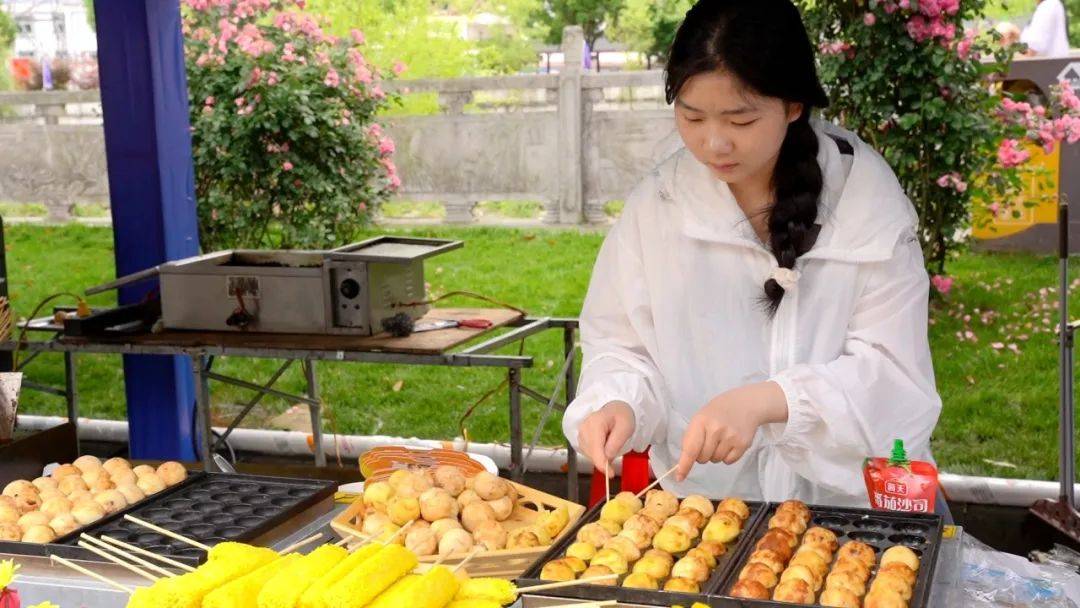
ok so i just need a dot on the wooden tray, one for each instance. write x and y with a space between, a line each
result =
504 563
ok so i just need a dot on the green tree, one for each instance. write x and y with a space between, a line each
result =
594 17
91 17
7 39
665 16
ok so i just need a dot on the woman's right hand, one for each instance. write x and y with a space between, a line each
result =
603 433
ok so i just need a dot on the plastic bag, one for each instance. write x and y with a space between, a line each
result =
990 578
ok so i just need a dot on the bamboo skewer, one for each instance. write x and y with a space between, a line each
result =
607 482
400 531
90 573
128 556
561 584
169 533
118 561
141 551
300 544
656 481
467 559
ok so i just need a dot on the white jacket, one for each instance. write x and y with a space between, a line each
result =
673 317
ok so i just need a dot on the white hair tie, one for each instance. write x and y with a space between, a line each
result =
786 278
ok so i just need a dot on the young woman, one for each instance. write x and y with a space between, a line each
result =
760 308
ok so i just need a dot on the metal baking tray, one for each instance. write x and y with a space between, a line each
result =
879 529
207 507
642 596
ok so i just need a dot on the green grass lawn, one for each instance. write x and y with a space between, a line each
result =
1000 414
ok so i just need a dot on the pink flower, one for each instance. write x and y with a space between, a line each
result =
1010 155
386 146
288 53
869 19
357 36
239 101
332 78
942 284
272 78
994 208
362 207
286 166
905 4
377 92
399 67
214 214
395 181
210 101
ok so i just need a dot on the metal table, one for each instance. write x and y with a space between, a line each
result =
478 355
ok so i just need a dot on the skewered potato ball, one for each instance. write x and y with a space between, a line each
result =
576 564
585 551
422 542
32 519
624 546
654 565
476 513
898 569
643 522
449 478
596 570
502 507
660 504
797 508
45 483
672 540
882 598
900 554
759 572
839 598
801 573
557 570
610 526
822 537
10 531
455 541
612 559
769 558
489 486
436 504
703 555
594 534
683 585
684 525
750 589
812 562
617 511
87 463
723 527
142 469
523 538
56 506
402 510
377 495
860 552
823 553
736 506
698 503
491 534
775 544
38 534
375 523
442 526
65 470
150 483
796 591
788 521
853 566
891 582
713 547
64 523
87 512
639 580
409 484
638 537
846 580
692 568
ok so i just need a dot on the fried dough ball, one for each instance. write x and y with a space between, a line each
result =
839 598
724 527
749 589
796 591
597 570
557 570
769 558
699 503
594 534
823 537
639 580
900 554
612 559
683 585
672 540
759 572
736 506
860 552
789 521
581 550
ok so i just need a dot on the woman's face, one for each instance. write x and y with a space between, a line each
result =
731 129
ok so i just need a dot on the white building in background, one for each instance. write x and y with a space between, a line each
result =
51 28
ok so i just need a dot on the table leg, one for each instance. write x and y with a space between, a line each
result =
202 411
516 438
71 394
316 412
571 392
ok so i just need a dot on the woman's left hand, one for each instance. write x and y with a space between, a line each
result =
724 429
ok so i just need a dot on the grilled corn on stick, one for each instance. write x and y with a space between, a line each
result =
493 589
242 592
188 591
435 589
285 589
396 594
365 582
312 598
477 603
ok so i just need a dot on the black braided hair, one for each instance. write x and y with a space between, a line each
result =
764 44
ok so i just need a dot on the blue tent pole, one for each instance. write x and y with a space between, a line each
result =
152 196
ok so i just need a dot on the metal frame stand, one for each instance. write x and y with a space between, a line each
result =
480 355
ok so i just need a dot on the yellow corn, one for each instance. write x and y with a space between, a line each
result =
435 589
188 591
284 590
474 604
396 594
312 598
242 592
495 589
365 582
